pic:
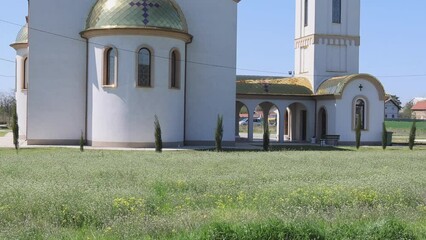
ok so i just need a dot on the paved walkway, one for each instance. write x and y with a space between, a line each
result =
7 140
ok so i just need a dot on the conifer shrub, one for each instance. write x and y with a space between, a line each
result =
412 137
15 128
219 133
384 137
157 134
265 136
82 142
358 132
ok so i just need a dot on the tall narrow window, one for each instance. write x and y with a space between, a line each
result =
306 12
337 11
25 75
110 67
144 68
360 113
174 69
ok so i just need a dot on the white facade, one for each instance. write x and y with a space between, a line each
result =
327 40
323 48
22 82
66 97
68 66
391 110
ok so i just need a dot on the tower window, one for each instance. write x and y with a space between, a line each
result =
306 13
144 67
337 11
110 67
174 69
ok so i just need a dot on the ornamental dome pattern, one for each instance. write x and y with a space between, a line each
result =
22 36
154 14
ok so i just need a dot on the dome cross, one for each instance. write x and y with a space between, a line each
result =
145 4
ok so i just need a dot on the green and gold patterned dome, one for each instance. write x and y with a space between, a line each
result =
121 14
22 36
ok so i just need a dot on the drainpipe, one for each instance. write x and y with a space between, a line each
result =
86 90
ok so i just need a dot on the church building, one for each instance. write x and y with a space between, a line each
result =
105 69
327 95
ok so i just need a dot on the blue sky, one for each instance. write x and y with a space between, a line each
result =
393 41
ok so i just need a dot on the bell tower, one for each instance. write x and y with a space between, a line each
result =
327 39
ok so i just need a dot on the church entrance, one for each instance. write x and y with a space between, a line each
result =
297 124
322 123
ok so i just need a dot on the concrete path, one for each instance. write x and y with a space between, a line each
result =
6 141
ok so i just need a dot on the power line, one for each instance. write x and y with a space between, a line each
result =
6 76
7 60
188 61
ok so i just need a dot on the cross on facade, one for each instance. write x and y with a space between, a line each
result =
360 87
145 4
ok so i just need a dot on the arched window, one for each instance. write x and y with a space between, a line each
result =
144 67
25 74
306 12
110 67
337 11
360 113
175 69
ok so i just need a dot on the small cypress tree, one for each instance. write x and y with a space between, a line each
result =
265 136
157 134
412 137
82 142
358 132
384 137
219 133
15 128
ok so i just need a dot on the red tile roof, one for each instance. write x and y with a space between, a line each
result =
419 106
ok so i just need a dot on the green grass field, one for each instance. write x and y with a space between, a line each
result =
401 130
3 132
346 194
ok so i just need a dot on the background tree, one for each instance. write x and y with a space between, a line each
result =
384 137
396 100
412 137
358 132
265 136
219 133
7 103
157 134
406 111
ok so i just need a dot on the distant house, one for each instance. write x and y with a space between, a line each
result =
419 110
391 109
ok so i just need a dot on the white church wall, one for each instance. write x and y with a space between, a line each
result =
56 104
21 94
124 115
324 49
374 111
211 68
350 21
331 115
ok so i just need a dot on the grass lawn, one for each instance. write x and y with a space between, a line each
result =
347 194
3 132
401 130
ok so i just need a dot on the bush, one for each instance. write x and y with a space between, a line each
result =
412 137
358 132
15 128
219 133
265 136
157 134
81 142
384 137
